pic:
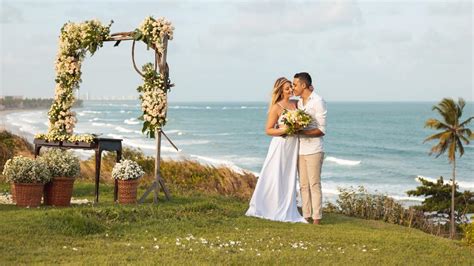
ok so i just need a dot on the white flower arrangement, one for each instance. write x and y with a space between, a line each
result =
88 138
154 100
75 41
61 163
127 170
152 31
21 169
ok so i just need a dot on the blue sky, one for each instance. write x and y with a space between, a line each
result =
234 50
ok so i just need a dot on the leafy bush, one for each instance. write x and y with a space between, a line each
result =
21 169
438 197
61 163
11 145
468 230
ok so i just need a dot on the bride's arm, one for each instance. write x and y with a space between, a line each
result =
272 120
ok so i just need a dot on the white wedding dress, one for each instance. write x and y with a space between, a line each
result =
274 197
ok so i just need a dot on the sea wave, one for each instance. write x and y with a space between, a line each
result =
90 112
342 161
185 107
192 142
173 131
124 130
147 147
218 163
131 121
103 125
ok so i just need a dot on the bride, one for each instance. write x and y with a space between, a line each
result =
274 197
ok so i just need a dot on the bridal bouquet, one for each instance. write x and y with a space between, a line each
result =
295 120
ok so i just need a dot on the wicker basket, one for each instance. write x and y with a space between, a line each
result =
28 194
12 192
58 192
127 191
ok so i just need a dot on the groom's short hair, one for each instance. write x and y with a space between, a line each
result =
304 77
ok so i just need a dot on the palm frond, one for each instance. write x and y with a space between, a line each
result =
460 106
448 110
466 133
465 123
438 136
466 140
460 147
452 150
436 124
438 149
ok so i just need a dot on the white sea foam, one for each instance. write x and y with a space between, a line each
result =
462 184
406 198
124 130
142 144
192 142
102 125
115 136
173 131
217 163
91 112
342 161
131 121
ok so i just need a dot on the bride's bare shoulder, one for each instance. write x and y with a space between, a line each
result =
274 108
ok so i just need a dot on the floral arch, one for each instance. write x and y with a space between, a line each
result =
78 39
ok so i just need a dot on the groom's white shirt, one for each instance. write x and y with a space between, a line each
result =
316 108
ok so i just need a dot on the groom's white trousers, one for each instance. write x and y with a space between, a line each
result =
309 168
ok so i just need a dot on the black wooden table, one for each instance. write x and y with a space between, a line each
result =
99 145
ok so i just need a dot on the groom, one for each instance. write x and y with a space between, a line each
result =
311 153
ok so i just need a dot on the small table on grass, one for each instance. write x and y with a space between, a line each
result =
98 145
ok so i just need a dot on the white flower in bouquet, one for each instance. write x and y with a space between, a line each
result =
295 120
127 170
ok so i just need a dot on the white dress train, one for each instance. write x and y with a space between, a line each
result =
274 197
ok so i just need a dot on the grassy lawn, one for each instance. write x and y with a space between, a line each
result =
200 229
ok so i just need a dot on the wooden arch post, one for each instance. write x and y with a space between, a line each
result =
161 64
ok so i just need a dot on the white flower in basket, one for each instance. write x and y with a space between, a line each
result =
127 170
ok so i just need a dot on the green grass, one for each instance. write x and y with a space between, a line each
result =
210 229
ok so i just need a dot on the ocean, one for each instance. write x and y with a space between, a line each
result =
374 144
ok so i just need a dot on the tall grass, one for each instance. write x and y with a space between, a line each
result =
185 176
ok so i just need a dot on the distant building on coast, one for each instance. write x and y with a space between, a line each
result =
12 97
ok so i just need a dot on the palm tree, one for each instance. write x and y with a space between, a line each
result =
453 134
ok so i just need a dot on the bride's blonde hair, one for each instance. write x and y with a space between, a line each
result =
277 92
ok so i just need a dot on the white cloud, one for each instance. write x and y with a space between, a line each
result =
10 13
265 18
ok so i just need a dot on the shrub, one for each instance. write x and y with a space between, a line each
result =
357 202
438 197
20 169
468 230
61 163
11 145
